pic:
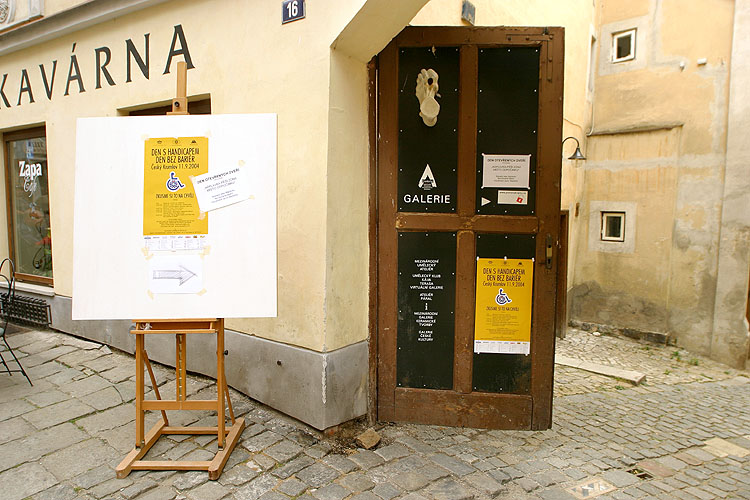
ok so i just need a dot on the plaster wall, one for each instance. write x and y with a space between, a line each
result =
731 339
626 283
235 84
52 7
658 138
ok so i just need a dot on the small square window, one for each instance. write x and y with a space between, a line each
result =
623 46
613 226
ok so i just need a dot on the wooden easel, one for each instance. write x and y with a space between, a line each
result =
181 328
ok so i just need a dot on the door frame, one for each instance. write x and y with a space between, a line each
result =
551 43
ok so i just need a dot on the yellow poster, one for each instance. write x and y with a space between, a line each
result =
170 206
502 321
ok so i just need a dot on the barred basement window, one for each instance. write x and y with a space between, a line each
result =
613 226
623 46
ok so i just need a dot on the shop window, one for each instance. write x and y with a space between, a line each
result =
613 226
27 191
623 46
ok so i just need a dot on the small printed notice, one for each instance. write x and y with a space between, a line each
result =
505 171
176 242
175 274
221 188
502 322
170 206
512 197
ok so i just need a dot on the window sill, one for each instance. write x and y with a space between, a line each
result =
31 288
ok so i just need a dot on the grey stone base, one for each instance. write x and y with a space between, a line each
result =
653 337
320 389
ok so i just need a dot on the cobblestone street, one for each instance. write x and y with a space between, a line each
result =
683 433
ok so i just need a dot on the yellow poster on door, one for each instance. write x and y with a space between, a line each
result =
170 206
502 320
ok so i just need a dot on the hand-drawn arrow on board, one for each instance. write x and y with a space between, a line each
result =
183 274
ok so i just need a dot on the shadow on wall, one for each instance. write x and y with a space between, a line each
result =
589 303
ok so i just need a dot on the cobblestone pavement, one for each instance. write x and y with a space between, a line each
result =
661 364
686 432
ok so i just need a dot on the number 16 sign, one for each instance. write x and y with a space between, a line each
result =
291 10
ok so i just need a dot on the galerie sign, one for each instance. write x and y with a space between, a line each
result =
502 322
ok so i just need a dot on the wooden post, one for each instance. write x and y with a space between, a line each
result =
139 413
179 103
220 382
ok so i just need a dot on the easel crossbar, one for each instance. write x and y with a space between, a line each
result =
193 430
169 465
166 404
178 332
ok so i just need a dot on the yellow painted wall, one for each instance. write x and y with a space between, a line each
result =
295 57
52 7
663 117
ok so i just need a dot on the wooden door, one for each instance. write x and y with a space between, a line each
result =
482 182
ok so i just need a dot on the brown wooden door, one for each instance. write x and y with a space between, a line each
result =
450 193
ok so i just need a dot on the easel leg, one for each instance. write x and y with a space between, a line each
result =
153 383
220 381
139 413
229 402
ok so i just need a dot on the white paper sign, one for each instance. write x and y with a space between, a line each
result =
512 197
173 242
175 274
220 188
511 171
501 347
238 254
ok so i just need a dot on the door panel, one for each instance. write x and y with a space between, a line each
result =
500 93
507 114
426 295
503 372
427 154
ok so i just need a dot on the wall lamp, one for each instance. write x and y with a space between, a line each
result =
577 155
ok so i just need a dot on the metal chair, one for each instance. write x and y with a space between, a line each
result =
6 304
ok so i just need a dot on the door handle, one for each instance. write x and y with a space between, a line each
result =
548 253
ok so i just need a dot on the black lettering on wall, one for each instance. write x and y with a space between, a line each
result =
2 91
103 60
25 87
101 67
48 85
133 52
183 50
74 73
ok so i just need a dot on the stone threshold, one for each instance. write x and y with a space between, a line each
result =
631 376
633 333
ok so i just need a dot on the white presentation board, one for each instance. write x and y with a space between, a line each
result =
142 246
